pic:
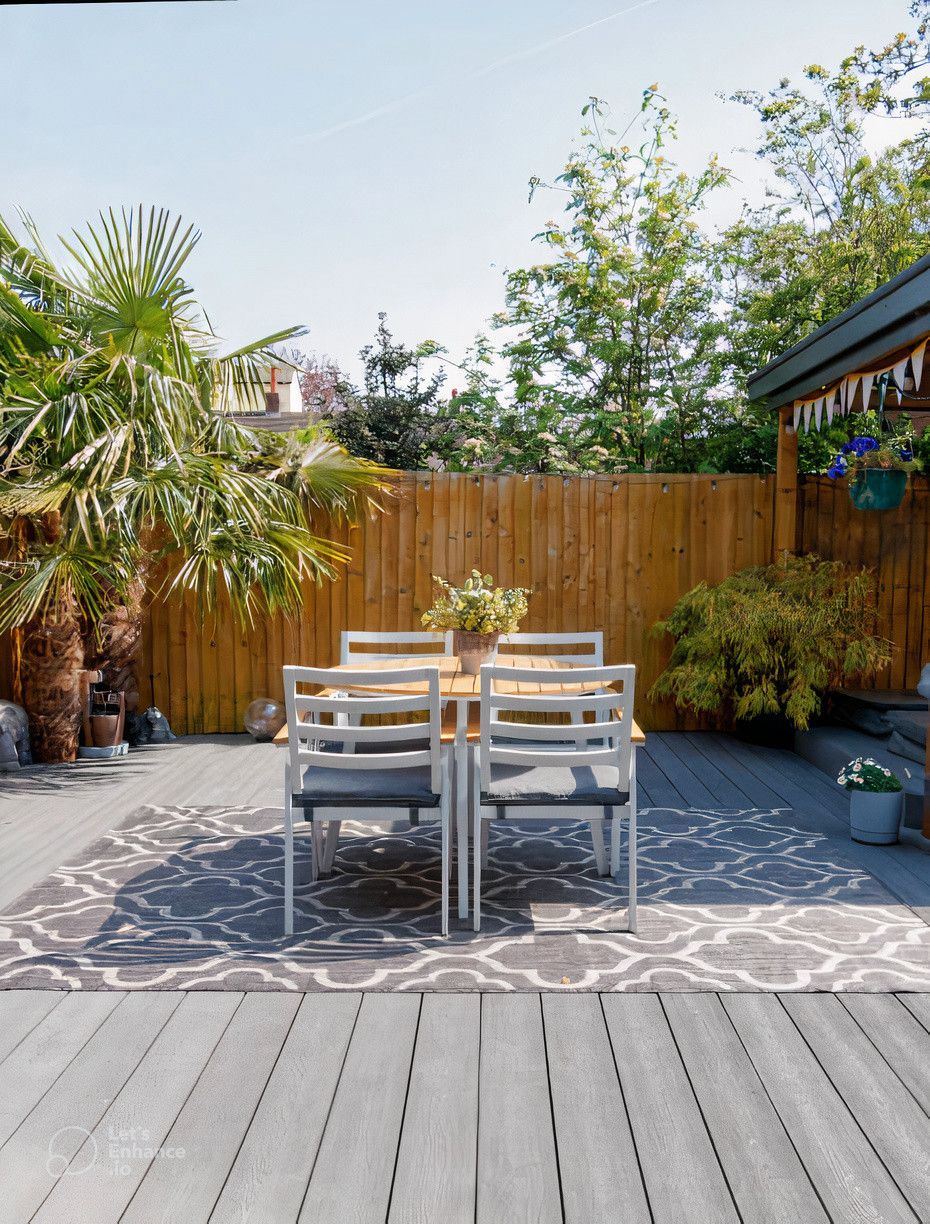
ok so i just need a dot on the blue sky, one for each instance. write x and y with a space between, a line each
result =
345 158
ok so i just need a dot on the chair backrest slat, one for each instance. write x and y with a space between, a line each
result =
302 742
417 639
588 646
608 738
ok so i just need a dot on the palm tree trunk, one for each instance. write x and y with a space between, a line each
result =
52 659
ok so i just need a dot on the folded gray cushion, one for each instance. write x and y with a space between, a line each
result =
906 748
911 725
520 784
407 787
856 714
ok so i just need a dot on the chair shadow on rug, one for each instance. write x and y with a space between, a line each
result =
192 899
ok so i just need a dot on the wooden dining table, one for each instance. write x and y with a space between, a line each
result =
463 690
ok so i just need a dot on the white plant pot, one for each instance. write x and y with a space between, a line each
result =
875 816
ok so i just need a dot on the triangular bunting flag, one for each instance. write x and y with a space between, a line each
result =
818 412
898 375
808 413
830 407
917 364
851 385
865 382
798 409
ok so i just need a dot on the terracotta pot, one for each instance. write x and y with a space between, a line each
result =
106 729
473 649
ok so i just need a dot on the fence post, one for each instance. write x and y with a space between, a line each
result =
784 533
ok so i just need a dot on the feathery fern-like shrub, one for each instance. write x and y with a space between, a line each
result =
772 639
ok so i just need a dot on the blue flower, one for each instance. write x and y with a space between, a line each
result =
859 446
906 454
836 471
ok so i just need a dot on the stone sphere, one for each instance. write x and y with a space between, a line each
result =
264 718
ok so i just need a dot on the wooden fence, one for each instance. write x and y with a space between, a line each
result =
894 544
597 551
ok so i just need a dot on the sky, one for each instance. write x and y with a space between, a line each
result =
343 158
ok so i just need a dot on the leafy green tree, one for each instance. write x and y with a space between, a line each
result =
116 455
392 419
618 325
840 219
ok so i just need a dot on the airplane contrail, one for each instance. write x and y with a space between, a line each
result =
559 38
397 104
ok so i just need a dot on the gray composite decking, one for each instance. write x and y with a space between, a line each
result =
501 1108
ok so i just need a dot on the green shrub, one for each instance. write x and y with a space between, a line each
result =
772 640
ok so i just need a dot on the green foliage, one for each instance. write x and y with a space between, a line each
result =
392 420
477 606
115 453
840 220
864 774
772 640
618 325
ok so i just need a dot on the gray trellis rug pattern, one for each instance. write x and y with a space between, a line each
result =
191 899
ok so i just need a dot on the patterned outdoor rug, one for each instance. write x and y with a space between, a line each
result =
191 899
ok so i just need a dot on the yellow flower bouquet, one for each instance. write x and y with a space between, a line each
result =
478 612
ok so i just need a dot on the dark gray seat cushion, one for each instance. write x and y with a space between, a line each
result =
910 725
407 787
541 784
378 746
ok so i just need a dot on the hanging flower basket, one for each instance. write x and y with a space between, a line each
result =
878 488
876 468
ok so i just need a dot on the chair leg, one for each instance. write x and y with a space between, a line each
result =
462 810
616 830
485 841
444 818
600 852
477 831
631 852
316 850
288 857
331 846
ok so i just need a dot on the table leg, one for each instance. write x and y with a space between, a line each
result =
461 803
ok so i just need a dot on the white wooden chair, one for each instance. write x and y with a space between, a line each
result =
373 639
333 766
589 646
558 771
588 649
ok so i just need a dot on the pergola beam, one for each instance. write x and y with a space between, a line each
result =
785 528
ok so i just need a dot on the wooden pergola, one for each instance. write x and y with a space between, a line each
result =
871 353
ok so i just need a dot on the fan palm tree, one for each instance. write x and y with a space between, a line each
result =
117 454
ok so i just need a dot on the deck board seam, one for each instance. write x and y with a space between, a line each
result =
555 1133
188 1095
758 1074
902 997
64 994
248 1127
329 1111
626 1108
403 1112
700 1108
106 1104
841 996
850 1111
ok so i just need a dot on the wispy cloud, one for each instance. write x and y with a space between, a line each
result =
401 103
